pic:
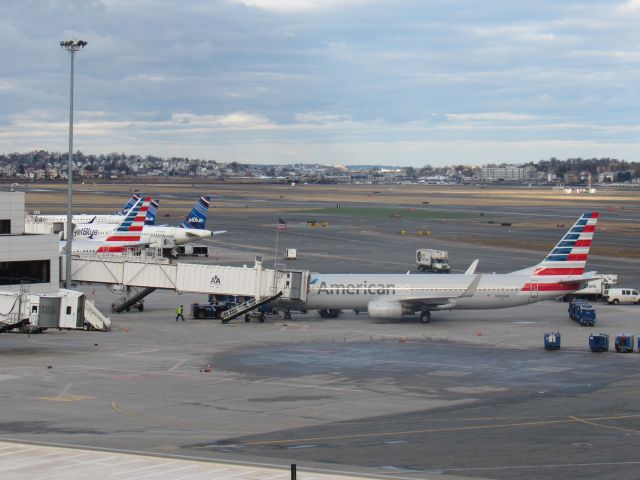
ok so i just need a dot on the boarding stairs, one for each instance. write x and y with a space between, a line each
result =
94 317
133 296
246 307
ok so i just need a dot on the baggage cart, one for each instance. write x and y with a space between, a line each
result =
552 341
624 343
599 342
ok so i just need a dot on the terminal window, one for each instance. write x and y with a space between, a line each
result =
5 227
31 271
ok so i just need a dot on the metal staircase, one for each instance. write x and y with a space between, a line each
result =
246 307
133 296
94 317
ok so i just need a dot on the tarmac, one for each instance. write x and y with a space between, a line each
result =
473 394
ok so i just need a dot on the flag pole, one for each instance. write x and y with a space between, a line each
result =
275 259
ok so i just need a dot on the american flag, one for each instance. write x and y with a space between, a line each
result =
282 225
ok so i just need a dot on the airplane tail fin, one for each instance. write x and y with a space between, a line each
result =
130 229
129 205
152 213
569 257
197 218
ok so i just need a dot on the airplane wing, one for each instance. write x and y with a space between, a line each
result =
472 268
219 232
439 300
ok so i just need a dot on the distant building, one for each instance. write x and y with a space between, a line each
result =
508 173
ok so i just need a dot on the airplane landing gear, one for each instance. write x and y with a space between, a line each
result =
287 315
425 317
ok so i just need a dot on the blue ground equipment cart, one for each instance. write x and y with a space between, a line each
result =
624 343
552 341
582 313
599 342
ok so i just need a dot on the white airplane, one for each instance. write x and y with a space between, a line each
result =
115 218
394 296
191 229
124 237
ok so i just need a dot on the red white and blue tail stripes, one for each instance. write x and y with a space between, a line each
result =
569 256
130 230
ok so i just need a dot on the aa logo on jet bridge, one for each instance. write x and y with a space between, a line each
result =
215 280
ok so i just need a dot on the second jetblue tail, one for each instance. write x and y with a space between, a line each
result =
197 218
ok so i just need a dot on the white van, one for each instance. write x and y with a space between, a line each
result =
622 295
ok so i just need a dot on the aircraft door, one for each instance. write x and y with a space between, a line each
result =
49 315
296 286
533 291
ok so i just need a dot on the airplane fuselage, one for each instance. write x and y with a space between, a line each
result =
149 233
356 291
80 219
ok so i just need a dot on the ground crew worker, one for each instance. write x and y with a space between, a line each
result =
179 313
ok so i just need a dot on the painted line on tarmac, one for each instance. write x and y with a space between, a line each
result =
437 430
588 422
550 465
223 461
178 365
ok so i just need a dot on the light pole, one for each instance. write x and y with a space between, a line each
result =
71 46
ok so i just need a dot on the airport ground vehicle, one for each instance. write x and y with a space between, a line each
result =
290 254
191 250
582 313
433 260
599 342
552 341
624 343
594 289
621 295
209 310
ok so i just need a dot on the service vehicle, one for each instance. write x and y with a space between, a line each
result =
192 250
599 342
621 295
594 289
203 311
433 260
582 313
290 254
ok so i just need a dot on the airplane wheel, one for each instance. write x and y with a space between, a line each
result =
425 317
287 316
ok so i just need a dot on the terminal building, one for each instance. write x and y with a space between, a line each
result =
25 258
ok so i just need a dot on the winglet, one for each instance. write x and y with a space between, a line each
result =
471 289
472 268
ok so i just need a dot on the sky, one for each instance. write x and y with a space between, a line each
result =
399 82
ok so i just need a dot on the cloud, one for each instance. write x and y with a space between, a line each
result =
631 6
489 116
295 6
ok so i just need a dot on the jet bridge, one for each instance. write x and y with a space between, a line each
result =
148 272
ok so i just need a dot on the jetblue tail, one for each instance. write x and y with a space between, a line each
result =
197 218
569 257
152 213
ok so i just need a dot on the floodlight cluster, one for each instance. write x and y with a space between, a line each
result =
73 44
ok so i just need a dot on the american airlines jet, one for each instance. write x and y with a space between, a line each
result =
393 296
125 236
191 229
115 218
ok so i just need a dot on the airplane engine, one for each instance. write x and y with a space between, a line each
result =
384 309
